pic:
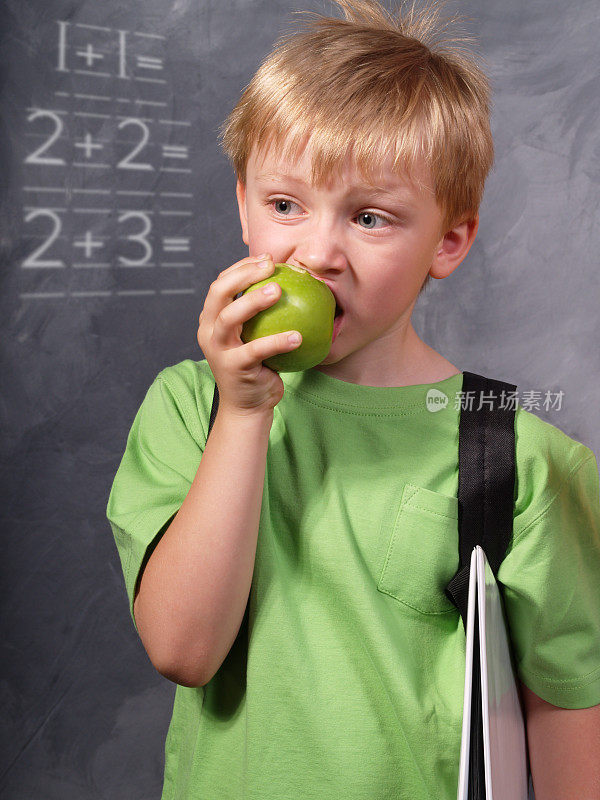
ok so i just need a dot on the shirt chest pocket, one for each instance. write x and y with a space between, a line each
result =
422 557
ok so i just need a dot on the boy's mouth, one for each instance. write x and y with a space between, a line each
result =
339 311
337 322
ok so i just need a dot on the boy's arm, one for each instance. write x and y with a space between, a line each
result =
564 749
194 589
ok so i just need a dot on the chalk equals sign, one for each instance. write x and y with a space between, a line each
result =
176 244
148 62
175 151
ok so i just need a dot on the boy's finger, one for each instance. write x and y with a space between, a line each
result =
258 350
242 262
227 285
233 316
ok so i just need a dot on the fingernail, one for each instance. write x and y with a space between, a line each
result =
269 288
294 338
264 264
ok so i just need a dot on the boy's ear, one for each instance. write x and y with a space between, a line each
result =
240 192
453 248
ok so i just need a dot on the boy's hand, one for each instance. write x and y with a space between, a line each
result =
246 385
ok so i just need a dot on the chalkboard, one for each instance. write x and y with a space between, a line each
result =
117 212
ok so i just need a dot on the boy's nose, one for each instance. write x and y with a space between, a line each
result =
321 254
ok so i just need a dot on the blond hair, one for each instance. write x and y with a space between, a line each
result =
372 84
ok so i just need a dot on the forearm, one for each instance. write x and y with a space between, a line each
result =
194 589
564 749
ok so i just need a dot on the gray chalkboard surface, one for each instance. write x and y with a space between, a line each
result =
117 211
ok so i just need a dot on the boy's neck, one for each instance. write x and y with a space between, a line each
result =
417 363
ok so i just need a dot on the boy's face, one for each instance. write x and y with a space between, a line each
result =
372 246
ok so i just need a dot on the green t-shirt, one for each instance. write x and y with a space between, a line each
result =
346 678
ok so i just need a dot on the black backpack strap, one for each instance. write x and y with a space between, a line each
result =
486 477
214 409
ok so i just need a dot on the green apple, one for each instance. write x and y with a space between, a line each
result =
306 305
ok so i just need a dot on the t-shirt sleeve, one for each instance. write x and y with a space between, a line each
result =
551 582
161 458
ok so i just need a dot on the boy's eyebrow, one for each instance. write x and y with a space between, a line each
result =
364 187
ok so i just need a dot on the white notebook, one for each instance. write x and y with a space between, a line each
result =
504 739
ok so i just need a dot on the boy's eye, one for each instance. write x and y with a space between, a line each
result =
370 219
283 206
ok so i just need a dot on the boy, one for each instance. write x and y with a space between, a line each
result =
288 574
